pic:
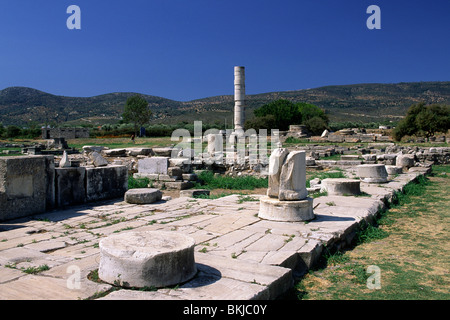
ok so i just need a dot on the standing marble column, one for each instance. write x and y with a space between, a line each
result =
239 98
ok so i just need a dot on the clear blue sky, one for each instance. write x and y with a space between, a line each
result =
186 49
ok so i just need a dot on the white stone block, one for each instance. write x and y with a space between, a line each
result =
153 165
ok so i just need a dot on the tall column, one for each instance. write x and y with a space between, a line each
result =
239 98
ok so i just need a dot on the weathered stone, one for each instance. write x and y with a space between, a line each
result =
194 192
274 209
89 149
70 186
393 170
64 162
310 161
174 172
22 186
143 195
349 157
157 165
98 160
163 152
134 152
372 173
293 177
189 176
405 161
369 157
178 185
115 152
166 177
106 182
341 186
276 162
147 259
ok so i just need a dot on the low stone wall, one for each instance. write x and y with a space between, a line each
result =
31 185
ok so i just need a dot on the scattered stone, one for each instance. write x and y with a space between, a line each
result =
89 149
178 185
147 259
194 192
115 152
65 162
143 195
372 173
174 172
341 187
394 170
98 160
164 152
405 161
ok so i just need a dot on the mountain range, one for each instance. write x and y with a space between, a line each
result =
357 102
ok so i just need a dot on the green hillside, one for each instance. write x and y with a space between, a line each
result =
359 102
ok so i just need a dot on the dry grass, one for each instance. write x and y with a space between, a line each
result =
413 256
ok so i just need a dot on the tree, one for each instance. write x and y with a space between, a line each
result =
137 111
314 118
424 120
284 112
316 125
12 131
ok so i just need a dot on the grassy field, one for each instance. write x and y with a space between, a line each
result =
121 142
410 247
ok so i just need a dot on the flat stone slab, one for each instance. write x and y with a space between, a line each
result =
147 259
143 195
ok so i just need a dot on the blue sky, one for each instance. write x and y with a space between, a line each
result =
186 49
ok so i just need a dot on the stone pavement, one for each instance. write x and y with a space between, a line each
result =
238 255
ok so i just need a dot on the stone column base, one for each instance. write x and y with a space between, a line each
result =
294 211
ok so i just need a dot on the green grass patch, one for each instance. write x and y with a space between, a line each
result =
210 181
324 175
134 183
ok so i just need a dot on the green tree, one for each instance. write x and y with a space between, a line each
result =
283 111
314 118
12 131
423 120
316 125
137 111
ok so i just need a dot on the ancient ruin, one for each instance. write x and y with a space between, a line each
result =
147 259
286 198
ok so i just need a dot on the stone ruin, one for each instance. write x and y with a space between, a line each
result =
35 184
286 198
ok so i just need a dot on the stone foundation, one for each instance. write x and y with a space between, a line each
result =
294 211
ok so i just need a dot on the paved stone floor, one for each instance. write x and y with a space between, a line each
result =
238 255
